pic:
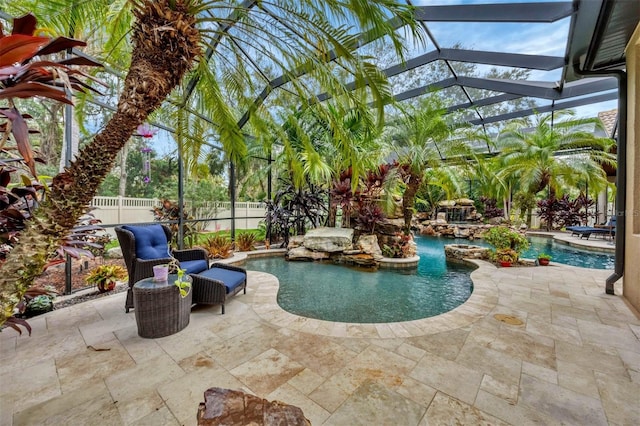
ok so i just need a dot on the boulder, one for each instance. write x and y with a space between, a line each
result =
303 253
114 253
390 226
295 241
447 232
461 232
329 239
464 202
234 407
447 203
428 230
369 244
364 260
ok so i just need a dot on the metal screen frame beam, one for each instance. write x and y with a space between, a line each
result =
508 12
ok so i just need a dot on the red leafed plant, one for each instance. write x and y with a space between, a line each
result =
25 74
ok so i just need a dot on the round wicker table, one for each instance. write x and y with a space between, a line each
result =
159 308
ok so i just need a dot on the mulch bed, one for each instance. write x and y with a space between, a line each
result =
55 277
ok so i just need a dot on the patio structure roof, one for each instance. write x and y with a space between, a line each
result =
595 35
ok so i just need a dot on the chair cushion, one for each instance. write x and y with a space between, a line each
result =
151 241
194 266
231 279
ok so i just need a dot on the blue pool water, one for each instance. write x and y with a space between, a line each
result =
339 293
563 253
560 253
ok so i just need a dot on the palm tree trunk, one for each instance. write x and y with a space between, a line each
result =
165 45
409 198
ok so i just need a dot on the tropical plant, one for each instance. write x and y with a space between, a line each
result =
341 195
23 74
543 259
401 246
296 209
569 211
170 212
559 212
369 214
505 255
489 208
166 42
583 204
105 277
415 138
246 241
218 247
35 301
506 241
530 160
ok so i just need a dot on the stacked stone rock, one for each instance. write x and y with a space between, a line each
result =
435 229
336 245
465 251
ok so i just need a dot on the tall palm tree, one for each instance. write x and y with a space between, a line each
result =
415 138
167 39
554 155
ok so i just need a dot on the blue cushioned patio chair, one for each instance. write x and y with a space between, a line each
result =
218 283
144 246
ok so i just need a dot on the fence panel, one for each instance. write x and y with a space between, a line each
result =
116 210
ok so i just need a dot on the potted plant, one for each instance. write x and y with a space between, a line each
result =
105 277
506 257
508 244
543 259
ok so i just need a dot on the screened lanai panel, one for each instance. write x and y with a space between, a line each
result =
521 38
380 52
421 76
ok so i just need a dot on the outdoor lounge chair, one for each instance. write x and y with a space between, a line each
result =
144 246
586 231
218 283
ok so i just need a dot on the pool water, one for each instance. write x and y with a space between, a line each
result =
563 253
340 293
560 253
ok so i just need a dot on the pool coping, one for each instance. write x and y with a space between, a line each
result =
482 301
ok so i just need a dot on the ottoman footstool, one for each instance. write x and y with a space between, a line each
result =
216 284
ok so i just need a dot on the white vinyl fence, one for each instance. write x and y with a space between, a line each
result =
117 210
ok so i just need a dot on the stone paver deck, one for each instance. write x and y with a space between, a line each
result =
574 359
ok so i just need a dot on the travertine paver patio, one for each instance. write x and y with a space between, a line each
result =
574 360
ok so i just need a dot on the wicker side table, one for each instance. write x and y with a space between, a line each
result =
159 309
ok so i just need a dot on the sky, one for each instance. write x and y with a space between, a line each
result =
527 38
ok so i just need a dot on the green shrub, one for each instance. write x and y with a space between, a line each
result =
503 238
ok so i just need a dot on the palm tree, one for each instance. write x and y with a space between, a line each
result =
554 155
415 139
167 39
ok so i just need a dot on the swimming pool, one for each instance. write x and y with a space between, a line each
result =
569 255
339 293
560 253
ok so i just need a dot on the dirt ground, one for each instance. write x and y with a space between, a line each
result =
55 275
